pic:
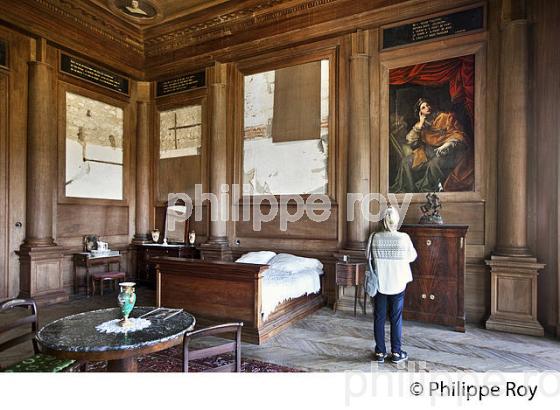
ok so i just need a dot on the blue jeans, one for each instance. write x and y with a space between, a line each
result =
395 305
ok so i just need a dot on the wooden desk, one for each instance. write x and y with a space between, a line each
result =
351 274
85 260
76 337
145 272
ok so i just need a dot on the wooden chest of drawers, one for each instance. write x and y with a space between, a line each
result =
437 292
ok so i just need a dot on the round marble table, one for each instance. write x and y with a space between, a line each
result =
76 337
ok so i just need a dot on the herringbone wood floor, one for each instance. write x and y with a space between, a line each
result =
335 342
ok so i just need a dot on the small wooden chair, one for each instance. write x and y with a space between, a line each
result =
102 277
228 347
38 362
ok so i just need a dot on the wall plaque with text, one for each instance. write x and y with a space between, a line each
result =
86 71
3 53
181 84
436 27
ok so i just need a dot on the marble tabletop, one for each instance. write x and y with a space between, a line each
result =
78 333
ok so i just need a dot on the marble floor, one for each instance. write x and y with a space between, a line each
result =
335 342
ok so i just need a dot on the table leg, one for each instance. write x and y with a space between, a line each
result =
130 364
76 284
337 295
355 299
87 280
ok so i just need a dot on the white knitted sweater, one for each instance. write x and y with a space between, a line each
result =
392 253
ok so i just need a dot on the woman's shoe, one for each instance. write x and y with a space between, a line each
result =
399 357
380 357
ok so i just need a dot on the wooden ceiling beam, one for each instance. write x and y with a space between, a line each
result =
82 28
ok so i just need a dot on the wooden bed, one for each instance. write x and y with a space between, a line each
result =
218 292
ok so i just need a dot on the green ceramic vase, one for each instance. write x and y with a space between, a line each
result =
127 299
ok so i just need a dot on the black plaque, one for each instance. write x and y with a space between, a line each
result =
3 53
442 26
181 84
86 71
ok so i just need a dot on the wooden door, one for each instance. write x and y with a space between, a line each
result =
3 186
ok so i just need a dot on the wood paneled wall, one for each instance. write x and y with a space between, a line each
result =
14 125
112 221
4 278
477 209
268 46
544 154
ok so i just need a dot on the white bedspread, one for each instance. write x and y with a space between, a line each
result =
279 286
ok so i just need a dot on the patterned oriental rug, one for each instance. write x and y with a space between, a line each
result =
171 360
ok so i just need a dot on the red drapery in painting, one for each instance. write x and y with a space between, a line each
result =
459 74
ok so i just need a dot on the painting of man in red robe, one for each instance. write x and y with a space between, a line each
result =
432 127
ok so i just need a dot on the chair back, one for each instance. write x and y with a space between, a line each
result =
229 347
29 319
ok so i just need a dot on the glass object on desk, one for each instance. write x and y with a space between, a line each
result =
127 299
102 246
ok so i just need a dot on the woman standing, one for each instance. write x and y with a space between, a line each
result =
392 252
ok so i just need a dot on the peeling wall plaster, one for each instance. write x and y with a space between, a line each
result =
94 148
180 132
295 167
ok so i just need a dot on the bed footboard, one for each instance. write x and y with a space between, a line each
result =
217 292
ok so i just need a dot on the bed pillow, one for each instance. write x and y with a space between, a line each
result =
259 258
292 263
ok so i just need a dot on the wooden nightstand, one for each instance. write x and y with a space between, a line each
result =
351 274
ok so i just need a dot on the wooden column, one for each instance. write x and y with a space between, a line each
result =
514 270
512 145
40 256
358 176
217 246
142 219
359 140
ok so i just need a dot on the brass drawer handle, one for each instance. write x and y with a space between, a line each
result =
428 242
432 297
423 296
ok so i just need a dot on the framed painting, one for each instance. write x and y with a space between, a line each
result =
432 124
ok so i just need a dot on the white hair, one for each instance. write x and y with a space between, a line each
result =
391 219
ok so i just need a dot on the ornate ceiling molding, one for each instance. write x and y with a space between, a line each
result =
99 25
228 24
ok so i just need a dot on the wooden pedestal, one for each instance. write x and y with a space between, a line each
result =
514 295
